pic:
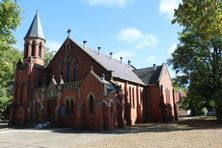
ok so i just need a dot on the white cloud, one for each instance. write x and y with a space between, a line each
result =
167 7
126 54
147 41
130 35
137 38
172 48
53 45
109 3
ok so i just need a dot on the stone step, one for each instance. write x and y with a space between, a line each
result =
42 125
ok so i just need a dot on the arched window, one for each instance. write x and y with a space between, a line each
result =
71 106
52 92
33 49
67 106
40 49
111 107
22 91
141 96
68 72
26 50
91 104
74 73
161 90
130 96
61 64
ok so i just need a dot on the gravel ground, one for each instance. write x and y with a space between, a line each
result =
197 132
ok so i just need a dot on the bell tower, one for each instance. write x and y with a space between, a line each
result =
28 75
34 42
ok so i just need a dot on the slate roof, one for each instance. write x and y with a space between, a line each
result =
149 75
35 30
119 70
122 71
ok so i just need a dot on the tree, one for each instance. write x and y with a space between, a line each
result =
8 60
198 57
203 17
9 20
48 56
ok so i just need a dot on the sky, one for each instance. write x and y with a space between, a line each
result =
137 30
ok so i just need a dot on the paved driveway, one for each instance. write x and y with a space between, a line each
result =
50 138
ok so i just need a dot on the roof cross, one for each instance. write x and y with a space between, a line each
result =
69 31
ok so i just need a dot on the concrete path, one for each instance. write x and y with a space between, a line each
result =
49 138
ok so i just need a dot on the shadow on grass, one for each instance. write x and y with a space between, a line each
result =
184 124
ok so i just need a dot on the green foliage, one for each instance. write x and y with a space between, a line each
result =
200 64
203 17
204 111
177 87
197 105
198 57
48 56
9 20
8 60
184 103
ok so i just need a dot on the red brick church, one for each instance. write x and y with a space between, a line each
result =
85 89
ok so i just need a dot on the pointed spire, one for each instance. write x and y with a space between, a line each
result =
35 30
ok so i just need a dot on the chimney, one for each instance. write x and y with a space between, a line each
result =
154 66
129 63
121 60
84 44
110 57
99 48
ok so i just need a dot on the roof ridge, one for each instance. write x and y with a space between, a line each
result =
103 54
122 71
147 67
